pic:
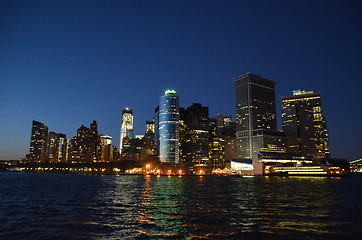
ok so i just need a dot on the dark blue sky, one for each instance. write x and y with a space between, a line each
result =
67 63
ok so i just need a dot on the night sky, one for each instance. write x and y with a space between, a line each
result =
67 63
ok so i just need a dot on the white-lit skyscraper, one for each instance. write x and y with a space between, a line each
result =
169 127
126 126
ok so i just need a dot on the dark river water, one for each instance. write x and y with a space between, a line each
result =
66 206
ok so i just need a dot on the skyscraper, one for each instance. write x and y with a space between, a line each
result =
157 132
107 148
304 124
81 146
169 127
38 142
256 116
197 134
150 129
53 147
57 147
63 148
86 146
126 126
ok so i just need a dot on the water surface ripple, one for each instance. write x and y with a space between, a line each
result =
66 206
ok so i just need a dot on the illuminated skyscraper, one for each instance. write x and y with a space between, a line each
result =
53 147
196 148
86 146
156 137
63 148
169 127
150 129
126 126
38 142
57 147
304 124
107 148
256 116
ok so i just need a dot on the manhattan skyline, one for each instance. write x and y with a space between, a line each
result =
69 63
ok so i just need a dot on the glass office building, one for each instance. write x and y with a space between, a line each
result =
169 127
126 126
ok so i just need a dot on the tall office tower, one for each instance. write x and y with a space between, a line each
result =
116 156
96 141
126 126
156 119
304 124
53 147
216 146
256 116
38 142
148 148
169 127
197 134
131 149
222 122
63 148
150 129
182 130
80 146
86 146
107 148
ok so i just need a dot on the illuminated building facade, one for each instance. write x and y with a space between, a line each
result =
107 148
150 129
196 149
53 147
256 116
148 147
131 149
222 122
63 148
216 146
126 126
304 124
157 133
96 141
38 142
86 146
80 146
182 129
169 127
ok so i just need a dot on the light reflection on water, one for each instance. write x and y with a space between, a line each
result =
234 208
63 206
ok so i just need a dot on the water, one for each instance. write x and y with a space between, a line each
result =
66 206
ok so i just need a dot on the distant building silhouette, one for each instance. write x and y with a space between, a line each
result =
304 124
169 127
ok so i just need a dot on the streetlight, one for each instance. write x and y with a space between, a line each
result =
147 168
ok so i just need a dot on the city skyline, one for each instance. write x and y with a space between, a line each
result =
67 64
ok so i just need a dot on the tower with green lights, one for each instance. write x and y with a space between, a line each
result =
169 127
